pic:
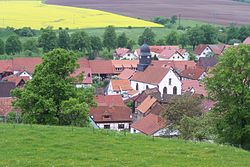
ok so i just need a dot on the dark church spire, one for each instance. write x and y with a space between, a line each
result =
144 57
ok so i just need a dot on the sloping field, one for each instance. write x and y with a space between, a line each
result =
213 11
34 145
37 15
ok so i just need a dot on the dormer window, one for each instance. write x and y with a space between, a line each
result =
106 116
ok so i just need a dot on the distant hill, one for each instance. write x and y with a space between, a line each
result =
213 11
25 145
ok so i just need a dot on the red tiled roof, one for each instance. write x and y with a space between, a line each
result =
192 73
101 66
125 63
200 48
115 113
159 49
177 65
146 104
207 105
118 85
149 124
153 92
5 106
26 64
5 65
120 52
84 69
16 79
187 85
109 100
247 41
217 49
126 74
152 75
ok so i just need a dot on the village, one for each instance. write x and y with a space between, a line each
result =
139 84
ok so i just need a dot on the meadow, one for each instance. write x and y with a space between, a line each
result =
25 145
36 15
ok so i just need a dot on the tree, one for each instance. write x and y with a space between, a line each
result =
195 36
244 32
1 47
147 36
30 45
173 19
48 39
183 40
64 39
80 41
96 46
122 40
210 34
13 45
229 86
172 38
109 38
161 20
161 42
51 97
232 32
130 44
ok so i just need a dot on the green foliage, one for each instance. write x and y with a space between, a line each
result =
109 38
172 38
230 88
2 48
210 34
161 42
195 36
106 54
233 41
48 40
13 45
14 117
183 40
232 32
30 45
96 43
122 40
25 32
161 20
64 39
43 99
147 36
130 44
173 19
80 41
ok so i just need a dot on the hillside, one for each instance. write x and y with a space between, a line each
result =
37 15
60 146
212 11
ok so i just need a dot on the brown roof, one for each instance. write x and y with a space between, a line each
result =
152 75
159 49
217 49
114 113
120 52
5 65
6 87
177 65
26 64
157 109
247 41
118 85
199 89
101 66
200 48
109 100
192 73
153 92
125 63
149 124
126 74
5 106
146 104
16 79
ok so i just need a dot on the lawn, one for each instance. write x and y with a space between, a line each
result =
24 145
36 14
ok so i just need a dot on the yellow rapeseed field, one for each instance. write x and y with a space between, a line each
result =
37 15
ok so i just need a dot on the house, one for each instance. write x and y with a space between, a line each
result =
120 65
206 50
17 79
121 87
124 54
126 74
112 117
207 62
143 109
6 87
193 74
157 50
152 125
247 41
174 54
194 87
101 68
109 100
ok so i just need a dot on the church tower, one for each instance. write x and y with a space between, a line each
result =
144 58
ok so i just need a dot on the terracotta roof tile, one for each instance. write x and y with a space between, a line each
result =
207 62
5 106
149 75
5 65
16 79
126 74
153 92
125 63
218 48
247 41
177 65
200 48
114 113
109 100
120 52
192 73
149 124
101 67
146 104
159 49
26 64
199 89
119 85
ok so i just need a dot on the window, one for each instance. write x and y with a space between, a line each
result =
120 126
165 90
170 81
147 87
106 116
186 67
106 126
137 86
175 90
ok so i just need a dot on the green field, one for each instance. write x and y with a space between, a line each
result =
25 145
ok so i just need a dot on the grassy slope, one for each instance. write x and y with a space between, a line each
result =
60 146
